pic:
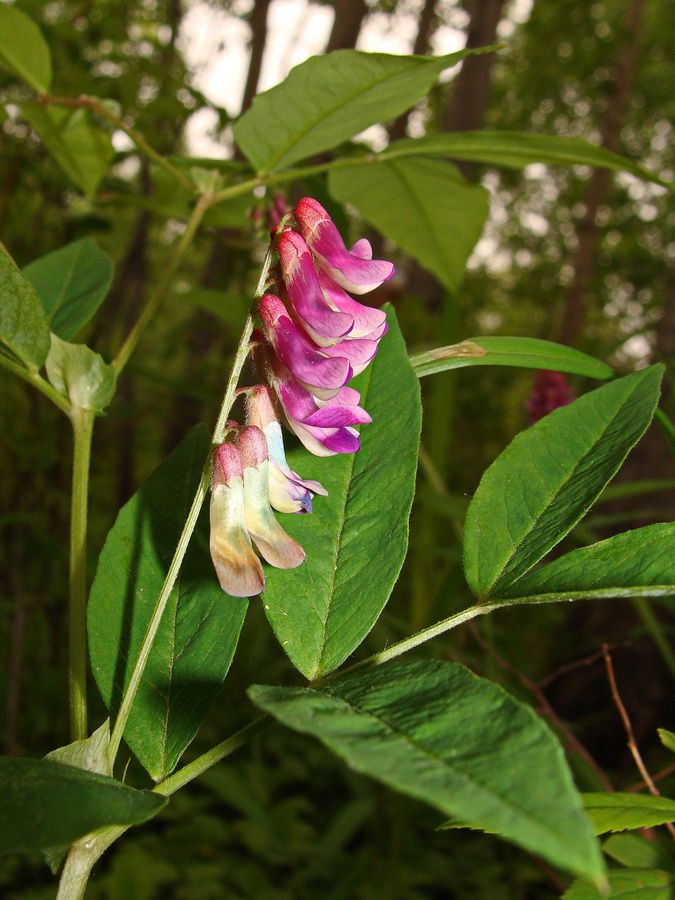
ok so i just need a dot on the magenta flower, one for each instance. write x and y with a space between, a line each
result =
288 491
550 390
355 270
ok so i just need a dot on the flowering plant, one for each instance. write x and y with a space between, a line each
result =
318 532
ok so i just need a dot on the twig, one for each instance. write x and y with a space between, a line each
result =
632 746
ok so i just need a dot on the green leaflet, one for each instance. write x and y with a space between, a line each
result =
548 478
200 629
80 147
424 205
356 538
329 99
436 731
72 283
637 563
617 811
23 50
47 804
530 353
517 150
81 375
24 328
627 884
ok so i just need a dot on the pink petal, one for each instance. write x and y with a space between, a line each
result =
352 272
359 352
369 322
322 375
323 324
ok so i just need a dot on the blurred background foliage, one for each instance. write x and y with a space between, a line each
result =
568 254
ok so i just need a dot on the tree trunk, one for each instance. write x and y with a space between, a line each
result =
424 31
587 250
349 16
258 41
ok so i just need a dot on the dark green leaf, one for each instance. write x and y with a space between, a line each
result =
436 731
80 147
46 804
24 328
549 477
200 629
424 205
530 353
328 99
72 283
356 537
627 884
517 150
638 563
23 50
81 375
617 811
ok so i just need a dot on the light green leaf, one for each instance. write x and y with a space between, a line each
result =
616 811
200 629
549 477
23 50
329 99
530 353
46 804
81 148
638 563
626 884
424 205
24 329
356 538
81 375
636 852
517 150
90 754
667 738
436 731
72 283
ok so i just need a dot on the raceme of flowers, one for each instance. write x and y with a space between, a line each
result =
314 338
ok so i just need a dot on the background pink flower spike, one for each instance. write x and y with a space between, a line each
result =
350 271
325 325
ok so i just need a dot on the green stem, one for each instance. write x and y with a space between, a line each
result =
83 426
96 106
80 861
204 762
164 284
189 527
37 381
653 626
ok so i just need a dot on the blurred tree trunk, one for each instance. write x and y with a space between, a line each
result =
349 16
587 249
425 28
258 25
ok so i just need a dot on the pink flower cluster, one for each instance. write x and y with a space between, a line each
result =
315 337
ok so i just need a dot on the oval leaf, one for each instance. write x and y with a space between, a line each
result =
518 149
72 283
436 731
424 205
328 99
82 149
47 804
549 477
356 538
81 375
617 811
529 353
24 328
200 629
23 50
638 563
